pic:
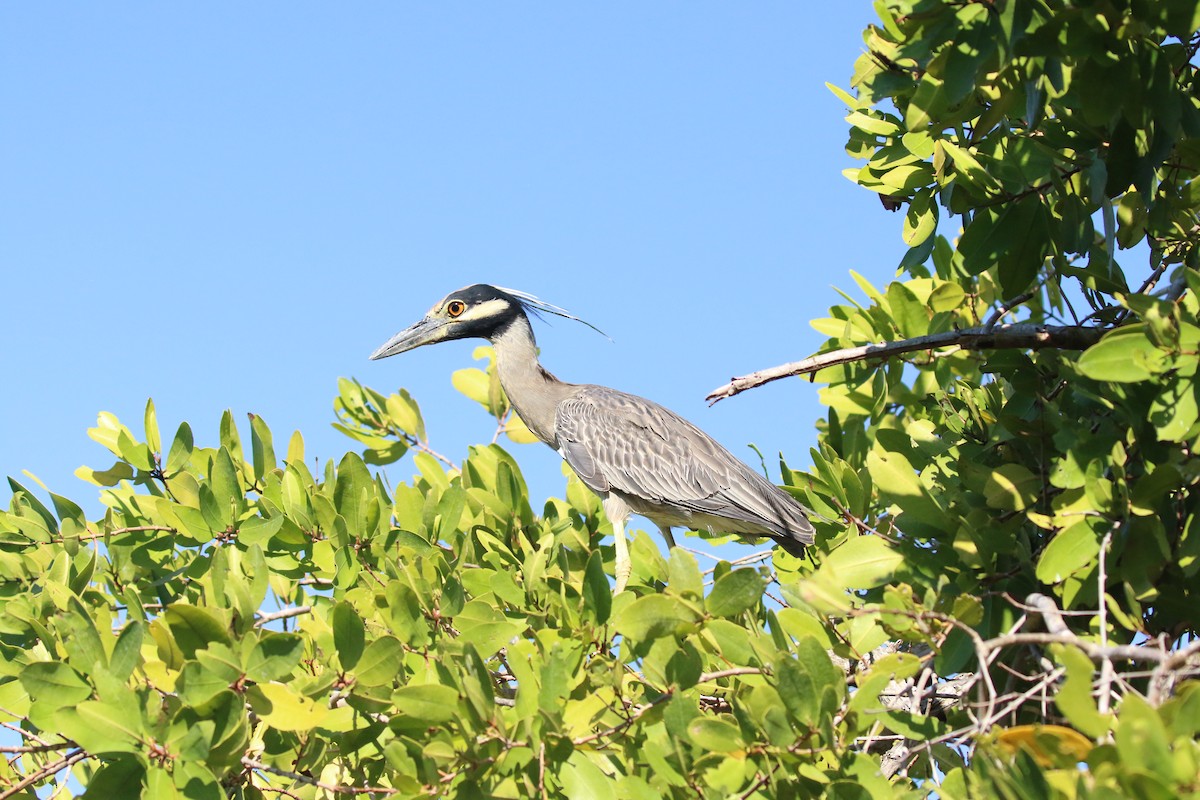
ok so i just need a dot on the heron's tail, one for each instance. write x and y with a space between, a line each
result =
797 530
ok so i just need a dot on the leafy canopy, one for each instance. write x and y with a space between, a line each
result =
1001 601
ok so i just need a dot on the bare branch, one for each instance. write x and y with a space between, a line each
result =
270 616
997 337
1008 305
45 772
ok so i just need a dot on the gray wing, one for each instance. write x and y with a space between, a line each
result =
617 441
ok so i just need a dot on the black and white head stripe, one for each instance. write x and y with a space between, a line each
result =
538 307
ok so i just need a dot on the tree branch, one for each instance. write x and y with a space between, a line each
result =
45 772
252 764
264 617
996 337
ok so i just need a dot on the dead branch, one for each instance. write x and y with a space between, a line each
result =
994 337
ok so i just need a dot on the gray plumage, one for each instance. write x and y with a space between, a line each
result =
636 455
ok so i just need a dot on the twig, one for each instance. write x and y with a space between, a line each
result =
413 441
641 710
37 748
93 535
542 770
263 617
753 558
1051 616
999 337
1180 658
627 722
250 763
20 730
50 769
1106 667
1007 306
709 677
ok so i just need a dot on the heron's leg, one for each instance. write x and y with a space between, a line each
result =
624 564
618 513
665 530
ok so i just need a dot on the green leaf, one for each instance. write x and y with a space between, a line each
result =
597 595
1124 355
275 656
133 451
118 776
874 123
920 221
1069 551
431 704
200 683
946 297
732 641
968 166
35 505
716 735
1074 697
1013 240
1174 411
809 684
477 682
261 449
683 575
915 726
102 728
194 628
82 642
349 634
381 662
474 383
127 652
1142 738
283 708
153 437
226 485
1011 487
181 450
258 530
906 178
408 618
908 312
860 563
295 451
735 592
382 456
54 684
584 780
405 414
353 479
850 100
229 437
897 482
653 616
118 472
231 733
68 510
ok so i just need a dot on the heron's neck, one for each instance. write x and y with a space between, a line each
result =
533 392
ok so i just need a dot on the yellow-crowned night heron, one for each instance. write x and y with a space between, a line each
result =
636 455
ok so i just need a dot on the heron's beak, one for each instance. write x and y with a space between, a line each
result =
427 331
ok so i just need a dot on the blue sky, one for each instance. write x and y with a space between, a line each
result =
231 205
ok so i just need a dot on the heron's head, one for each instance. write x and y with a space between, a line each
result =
474 312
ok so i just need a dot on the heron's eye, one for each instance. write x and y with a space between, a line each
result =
455 308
